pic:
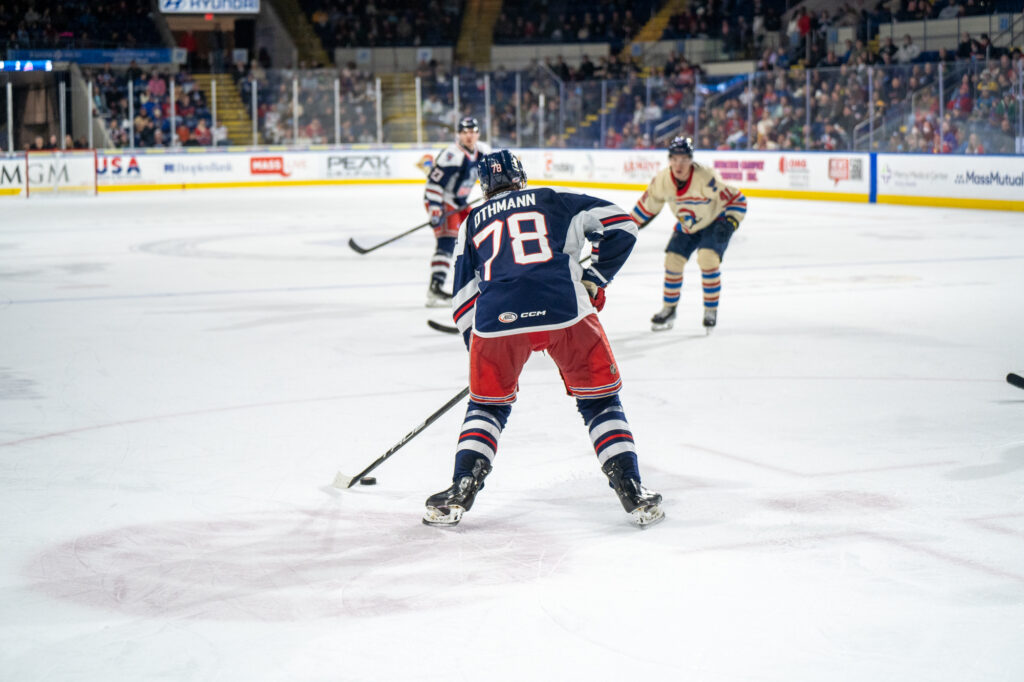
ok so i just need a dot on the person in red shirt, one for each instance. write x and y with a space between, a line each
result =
202 134
962 103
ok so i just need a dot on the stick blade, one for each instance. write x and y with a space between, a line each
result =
1015 380
442 327
342 481
355 247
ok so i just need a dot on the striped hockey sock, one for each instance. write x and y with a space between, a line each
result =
673 287
609 431
712 280
441 263
481 430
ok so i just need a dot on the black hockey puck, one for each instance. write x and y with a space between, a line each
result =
367 480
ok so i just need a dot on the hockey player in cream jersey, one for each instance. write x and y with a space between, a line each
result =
707 211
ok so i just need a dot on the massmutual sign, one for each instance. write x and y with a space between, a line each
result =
210 6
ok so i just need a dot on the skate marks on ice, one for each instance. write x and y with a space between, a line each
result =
290 244
1008 459
291 565
13 386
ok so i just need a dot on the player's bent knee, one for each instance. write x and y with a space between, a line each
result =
708 259
674 262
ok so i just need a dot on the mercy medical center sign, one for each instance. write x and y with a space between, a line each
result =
210 6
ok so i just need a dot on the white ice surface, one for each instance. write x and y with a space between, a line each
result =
182 374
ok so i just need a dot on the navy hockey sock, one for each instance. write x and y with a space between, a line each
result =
481 429
609 432
441 263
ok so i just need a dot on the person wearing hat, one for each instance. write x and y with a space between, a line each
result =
707 212
446 198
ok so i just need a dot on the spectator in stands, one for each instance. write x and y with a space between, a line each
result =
888 48
973 145
202 135
967 47
950 11
220 135
962 104
908 52
985 48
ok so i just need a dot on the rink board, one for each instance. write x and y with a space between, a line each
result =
992 182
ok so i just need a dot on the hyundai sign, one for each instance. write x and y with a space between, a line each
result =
210 6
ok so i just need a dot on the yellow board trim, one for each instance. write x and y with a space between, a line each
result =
10 192
849 197
951 202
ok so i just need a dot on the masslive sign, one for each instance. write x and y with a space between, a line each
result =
210 6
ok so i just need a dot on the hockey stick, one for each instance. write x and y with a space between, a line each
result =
442 327
1015 380
343 481
361 249
437 326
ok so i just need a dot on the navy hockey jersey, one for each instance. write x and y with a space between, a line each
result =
453 175
517 260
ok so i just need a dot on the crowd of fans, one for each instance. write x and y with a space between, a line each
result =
748 27
384 23
194 125
147 123
866 101
570 21
278 108
807 93
64 24
884 100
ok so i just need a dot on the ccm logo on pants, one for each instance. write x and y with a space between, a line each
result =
509 318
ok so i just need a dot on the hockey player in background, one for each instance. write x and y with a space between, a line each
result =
707 211
519 288
449 183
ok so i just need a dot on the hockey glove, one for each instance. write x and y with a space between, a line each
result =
724 226
436 215
597 295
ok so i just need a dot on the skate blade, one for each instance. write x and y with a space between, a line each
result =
436 303
645 517
434 516
708 330
661 326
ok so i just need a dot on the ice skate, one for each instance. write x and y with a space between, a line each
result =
710 319
437 298
664 319
446 507
643 505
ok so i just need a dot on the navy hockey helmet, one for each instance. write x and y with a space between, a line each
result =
681 145
469 123
500 171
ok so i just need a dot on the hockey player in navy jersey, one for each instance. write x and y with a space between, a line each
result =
519 288
449 183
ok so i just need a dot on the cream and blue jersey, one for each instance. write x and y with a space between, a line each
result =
696 204
517 260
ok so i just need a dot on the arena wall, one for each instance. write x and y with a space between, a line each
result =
992 182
